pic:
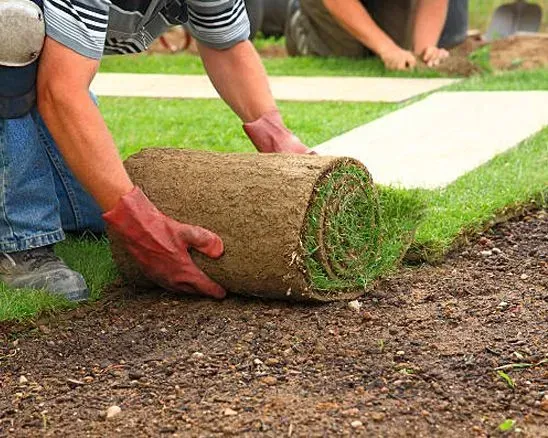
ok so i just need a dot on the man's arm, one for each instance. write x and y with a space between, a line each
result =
76 124
356 20
159 244
429 21
240 78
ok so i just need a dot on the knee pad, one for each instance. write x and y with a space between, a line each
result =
22 33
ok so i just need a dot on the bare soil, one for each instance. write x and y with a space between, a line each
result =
513 53
418 359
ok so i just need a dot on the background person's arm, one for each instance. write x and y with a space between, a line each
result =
429 21
353 17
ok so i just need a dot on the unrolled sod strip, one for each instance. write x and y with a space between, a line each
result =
294 227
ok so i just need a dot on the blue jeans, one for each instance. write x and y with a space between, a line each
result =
39 197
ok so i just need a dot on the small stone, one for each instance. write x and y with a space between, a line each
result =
486 253
272 361
484 241
23 380
544 403
87 379
16 343
258 362
197 355
352 412
377 416
354 305
400 353
502 305
163 330
113 411
356 423
496 250
269 380
136 375
229 412
524 276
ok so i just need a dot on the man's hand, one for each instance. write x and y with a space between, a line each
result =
160 245
432 56
396 58
269 135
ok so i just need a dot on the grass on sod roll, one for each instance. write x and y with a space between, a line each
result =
465 206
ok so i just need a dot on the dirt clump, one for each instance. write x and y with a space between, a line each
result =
423 357
520 52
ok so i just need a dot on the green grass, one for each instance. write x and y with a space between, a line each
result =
88 255
302 66
510 180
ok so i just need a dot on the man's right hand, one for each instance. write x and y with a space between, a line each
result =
160 245
396 58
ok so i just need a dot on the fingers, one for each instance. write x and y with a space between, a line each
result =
432 56
203 240
194 280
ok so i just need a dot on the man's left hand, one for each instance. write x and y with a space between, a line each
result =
432 56
269 135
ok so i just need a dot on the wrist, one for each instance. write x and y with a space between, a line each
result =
387 47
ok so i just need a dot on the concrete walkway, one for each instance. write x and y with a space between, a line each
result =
432 142
308 89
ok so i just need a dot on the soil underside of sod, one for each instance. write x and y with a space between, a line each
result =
419 359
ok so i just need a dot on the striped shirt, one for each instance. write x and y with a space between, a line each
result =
96 27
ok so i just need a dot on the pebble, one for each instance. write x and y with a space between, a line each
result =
229 412
356 423
197 355
544 403
87 379
502 305
377 416
269 380
496 250
23 380
355 305
484 241
352 412
486 253
257 362
400 353
524 276
113 411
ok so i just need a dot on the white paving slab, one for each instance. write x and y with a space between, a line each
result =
311 89
433 142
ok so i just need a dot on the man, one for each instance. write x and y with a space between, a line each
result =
60 168
398 31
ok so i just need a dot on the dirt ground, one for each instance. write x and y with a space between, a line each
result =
418 359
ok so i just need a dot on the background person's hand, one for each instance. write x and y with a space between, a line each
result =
432 56
396 58
161 245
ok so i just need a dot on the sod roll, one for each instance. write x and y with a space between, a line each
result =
294 227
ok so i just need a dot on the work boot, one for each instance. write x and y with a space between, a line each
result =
40 268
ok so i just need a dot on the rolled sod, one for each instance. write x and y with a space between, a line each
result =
294 227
